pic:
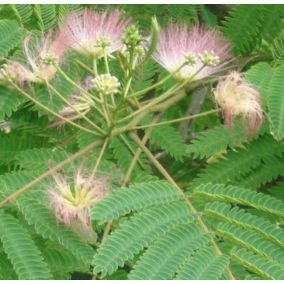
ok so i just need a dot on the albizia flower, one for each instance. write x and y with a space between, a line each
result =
237 98
72 201
40 61
201 48
91 32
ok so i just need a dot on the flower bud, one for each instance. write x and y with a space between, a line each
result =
190 59
209 58
132 38
106 84
49 59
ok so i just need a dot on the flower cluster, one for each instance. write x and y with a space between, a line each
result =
237 98
191 54
90 33
72 201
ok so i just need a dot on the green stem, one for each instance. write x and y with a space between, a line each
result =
84 66
95 67
163 171
106 110
124 140
106 231
161 98
98 160
51 111
50 172
71 106
189 117
139 151
106 61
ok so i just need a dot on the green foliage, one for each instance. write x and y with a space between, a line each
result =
242 27
21 250
216 140
260 75
203 265
236 215
275 103
238 163
258 235
46 226
242 196
266 269
171 249
134 198
247 25
167 138
124 150
11 36
137 233
199 203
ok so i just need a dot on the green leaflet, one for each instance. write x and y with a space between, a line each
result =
21 250
171 249
137 197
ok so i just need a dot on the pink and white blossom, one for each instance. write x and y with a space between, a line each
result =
90 32
39 65
238 98
201 48
72 201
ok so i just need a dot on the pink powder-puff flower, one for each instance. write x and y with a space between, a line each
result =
92 33
238 98
72 201
48 53
40 60
195 53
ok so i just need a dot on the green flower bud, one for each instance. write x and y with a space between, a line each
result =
106 84
209 58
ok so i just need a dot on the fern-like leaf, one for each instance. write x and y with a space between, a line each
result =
235 194
242 27
137 233
263 267
276 103
171 250
136 197
215 140
253 242
11 35
21 250
260 76
204 264
167 138
45 225
240 163
238 216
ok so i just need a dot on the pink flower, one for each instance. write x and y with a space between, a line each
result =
45 55
40 60
237 98
72 201
201 48
90 32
